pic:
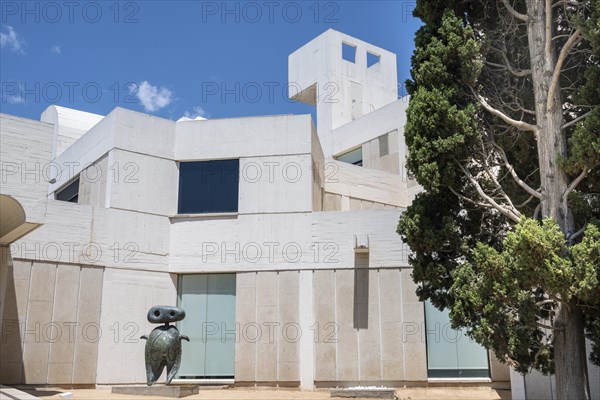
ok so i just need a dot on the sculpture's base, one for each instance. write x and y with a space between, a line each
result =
379 393
174 391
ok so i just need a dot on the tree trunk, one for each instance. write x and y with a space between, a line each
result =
569 343
570 354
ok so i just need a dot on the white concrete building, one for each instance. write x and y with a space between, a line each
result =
277 237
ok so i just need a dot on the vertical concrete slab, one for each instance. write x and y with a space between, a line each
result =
355 204
369 338
366 205
394 145
89 330
324 305
13 322
345 203
385 163
390 300
517 385
245 311
291 332
5 266
500 372
92 183
60 366
332 202
413 334
307 322
347 347
266 313
593 375
126 298
374 152
395 167
39 316
378 206
538 386
366 152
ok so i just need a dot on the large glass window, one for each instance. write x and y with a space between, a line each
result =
209 304
208 186
451 353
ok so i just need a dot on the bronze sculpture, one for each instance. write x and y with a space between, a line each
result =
163 345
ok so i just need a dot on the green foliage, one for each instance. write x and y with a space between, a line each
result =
584 144
590 25
497 295
586 267
441 119
499 279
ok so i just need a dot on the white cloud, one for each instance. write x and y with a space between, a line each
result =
14 99
197 111
12 40
16 93
56 50
153 98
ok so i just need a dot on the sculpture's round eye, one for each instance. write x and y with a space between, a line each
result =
172 313
157 313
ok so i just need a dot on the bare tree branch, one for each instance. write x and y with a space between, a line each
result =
514 175
513 12
477 203
536 212
575 37
523 204
513 214
544 302
574 184
515 72
566 3
549 327
571 237
524 126
576 120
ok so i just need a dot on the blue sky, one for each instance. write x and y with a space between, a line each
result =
163 57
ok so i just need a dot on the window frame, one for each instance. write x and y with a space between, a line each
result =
208 206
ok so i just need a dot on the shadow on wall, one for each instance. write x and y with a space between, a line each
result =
11 350
361 290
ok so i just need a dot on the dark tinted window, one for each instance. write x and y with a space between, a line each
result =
69 193
208 186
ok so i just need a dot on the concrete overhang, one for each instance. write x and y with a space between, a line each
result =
13 222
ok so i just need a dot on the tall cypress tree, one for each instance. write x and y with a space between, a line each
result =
503 133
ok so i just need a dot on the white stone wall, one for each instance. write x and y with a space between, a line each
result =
51 323
318 75
364 327
128 295
25 156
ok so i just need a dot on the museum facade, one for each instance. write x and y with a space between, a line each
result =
277 237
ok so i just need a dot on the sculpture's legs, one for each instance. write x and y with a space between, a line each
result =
153 371
172 368
173 362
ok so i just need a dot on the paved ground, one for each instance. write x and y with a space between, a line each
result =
226 394
281 394
452 394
